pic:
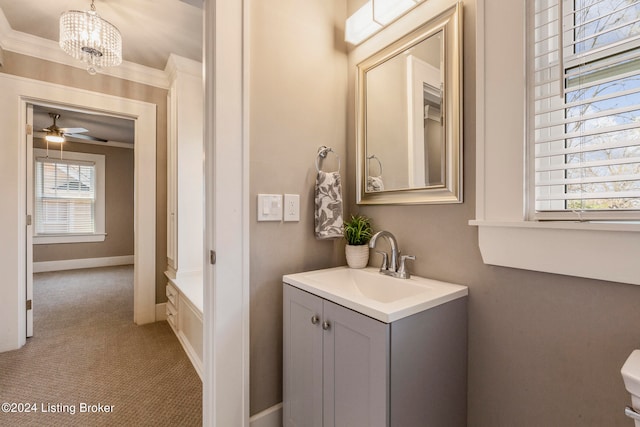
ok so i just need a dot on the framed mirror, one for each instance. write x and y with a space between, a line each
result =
409 117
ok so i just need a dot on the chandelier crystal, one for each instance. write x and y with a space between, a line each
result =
88 37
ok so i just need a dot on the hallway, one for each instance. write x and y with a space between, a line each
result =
87 350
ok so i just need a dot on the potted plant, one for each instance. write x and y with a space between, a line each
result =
357 232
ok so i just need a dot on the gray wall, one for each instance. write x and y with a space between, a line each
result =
118 208
298 103
544 349
37 69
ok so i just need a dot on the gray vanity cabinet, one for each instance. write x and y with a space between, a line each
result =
335 364
345 369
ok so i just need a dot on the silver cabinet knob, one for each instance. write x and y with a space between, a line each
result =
315 319
326 325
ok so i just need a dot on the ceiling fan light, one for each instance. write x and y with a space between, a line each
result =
54 136
88 37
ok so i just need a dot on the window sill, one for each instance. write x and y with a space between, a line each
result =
603 251
66 238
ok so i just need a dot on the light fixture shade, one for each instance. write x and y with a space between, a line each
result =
385 11
88 37
361 25
54 136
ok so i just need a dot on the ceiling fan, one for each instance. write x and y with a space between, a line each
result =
57 134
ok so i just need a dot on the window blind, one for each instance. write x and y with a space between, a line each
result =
584 112
64 196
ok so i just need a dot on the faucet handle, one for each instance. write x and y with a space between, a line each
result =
403 273
385 261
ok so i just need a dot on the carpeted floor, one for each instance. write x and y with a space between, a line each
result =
86 350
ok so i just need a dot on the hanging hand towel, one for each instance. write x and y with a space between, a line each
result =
374 183
328 205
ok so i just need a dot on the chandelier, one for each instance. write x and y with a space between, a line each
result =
88 37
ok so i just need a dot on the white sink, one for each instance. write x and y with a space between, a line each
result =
368 292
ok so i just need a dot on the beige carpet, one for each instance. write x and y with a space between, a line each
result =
87 350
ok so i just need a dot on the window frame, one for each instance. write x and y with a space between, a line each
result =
506 236
99 234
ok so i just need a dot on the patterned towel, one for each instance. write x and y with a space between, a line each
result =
374 183
328 205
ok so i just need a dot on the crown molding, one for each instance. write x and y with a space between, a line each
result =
179 64
48 50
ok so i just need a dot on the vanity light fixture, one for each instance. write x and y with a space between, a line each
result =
386 11
373 16
361 25
88 37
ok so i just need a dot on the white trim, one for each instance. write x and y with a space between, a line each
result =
68 238
480 106
270 417
226 284
604 251
570 249
75 264
191 353
180 64
161 312
15 94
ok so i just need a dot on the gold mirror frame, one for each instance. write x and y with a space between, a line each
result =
450 23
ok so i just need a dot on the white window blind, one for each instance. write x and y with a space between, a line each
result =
584 109
65 196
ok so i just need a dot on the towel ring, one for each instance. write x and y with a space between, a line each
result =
322 153
373 156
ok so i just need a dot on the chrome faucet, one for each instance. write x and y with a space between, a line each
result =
391 267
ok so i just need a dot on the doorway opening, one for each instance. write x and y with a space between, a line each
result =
32 92
80 191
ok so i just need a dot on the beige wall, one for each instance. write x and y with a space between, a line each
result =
118 208
298 103
33 68
544 349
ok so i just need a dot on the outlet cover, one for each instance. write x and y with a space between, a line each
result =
291 207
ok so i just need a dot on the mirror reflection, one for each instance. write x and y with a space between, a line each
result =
406 89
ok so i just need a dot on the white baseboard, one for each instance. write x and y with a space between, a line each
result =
270 417
161 312
73 264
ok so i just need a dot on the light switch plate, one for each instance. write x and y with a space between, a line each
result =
269 207
291 207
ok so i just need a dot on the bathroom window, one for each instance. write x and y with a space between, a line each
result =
584 110
69 197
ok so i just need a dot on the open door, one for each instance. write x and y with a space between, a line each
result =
29 228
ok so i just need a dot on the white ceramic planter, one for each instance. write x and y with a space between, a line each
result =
357 255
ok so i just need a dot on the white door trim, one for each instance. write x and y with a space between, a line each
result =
226 285
16 93
29 227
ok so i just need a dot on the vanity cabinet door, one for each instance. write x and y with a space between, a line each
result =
356 369
302 341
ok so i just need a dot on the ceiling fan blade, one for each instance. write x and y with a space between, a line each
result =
74 130
87 137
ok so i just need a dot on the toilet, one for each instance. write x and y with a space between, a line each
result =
631 376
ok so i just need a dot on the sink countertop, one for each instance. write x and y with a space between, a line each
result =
381 297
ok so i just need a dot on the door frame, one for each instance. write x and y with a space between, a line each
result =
226 284
28 91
